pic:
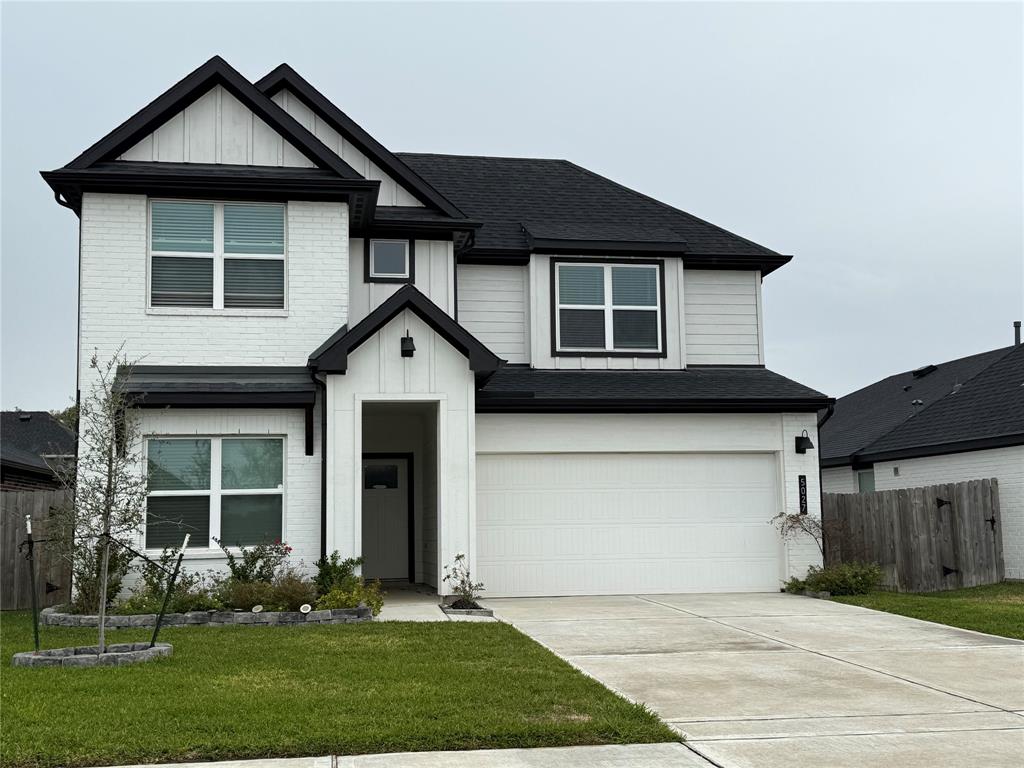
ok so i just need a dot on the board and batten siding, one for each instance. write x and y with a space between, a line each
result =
437 373
217 128
494 307
391 193
434 278
723 317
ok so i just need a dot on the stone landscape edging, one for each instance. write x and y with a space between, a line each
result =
54 617
116 655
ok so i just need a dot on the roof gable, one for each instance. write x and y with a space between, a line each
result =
284 84
332 355
193 87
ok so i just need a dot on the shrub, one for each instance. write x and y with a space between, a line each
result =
291 590
359 593
258 563
463 586
245 594
86 576
843 579
333 573
192 591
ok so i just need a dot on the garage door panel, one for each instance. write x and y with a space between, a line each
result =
620 523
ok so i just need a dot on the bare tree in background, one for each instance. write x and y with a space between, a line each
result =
108 486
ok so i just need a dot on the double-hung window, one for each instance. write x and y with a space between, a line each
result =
226 488
216 255
608 308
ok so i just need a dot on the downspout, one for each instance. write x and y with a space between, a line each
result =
321 387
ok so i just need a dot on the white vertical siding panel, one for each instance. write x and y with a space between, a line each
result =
434 260
217 128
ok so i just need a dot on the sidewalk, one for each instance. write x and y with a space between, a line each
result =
607 756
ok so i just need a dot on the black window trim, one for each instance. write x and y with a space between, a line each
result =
411 278
556 352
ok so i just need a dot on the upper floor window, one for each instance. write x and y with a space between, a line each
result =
389 261
608 308
216 255
226 488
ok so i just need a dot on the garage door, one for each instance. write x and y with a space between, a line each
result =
618 523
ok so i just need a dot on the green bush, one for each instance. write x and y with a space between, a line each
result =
258 563
334 573
843 579
359 593
291 590
192 591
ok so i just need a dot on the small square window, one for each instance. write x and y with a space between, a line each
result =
389 260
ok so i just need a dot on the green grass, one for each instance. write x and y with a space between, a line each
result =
247 692
997 609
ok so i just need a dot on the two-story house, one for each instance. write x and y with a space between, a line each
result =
409 356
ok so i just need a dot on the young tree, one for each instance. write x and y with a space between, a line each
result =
108 487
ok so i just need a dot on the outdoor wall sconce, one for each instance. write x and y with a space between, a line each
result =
803 442
408 348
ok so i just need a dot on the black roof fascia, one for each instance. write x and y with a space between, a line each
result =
284 76
216 71
560 246
940 449
518 403
332 355
765 263
216 181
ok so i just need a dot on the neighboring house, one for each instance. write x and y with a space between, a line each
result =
32 445
409 356
944 423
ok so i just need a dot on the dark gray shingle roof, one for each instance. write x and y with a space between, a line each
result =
555 198
883 414
26 436
691 389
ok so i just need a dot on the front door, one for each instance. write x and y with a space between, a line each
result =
386 518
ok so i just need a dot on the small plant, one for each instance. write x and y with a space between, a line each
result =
243 595
258 563
359 594
792 527
462 584
842 579
291 590
333 572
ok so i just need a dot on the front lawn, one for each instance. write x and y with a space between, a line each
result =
997 609
248 692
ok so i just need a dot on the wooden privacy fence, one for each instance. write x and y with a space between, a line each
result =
15 593
925 539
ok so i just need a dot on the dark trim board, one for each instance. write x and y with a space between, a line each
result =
515 402
186 91
410 501
284 76
867 458
659 263
366 262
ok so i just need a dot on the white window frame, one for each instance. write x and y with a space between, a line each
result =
215 492
218 256
608 307
390 275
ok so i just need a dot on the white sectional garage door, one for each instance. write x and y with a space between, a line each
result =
617 523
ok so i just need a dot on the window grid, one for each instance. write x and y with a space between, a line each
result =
217 255
216 492
608 307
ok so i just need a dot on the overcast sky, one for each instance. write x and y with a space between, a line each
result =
880 144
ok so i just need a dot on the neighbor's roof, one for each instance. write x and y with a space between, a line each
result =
515 388
881 421
536 205
27 436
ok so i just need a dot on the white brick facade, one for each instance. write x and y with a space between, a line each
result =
113 294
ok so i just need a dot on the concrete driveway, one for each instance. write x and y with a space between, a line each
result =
766 680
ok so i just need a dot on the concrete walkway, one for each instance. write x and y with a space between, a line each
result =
417 602
777 680
626 756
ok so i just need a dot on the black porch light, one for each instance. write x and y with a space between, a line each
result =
803 442
408 347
